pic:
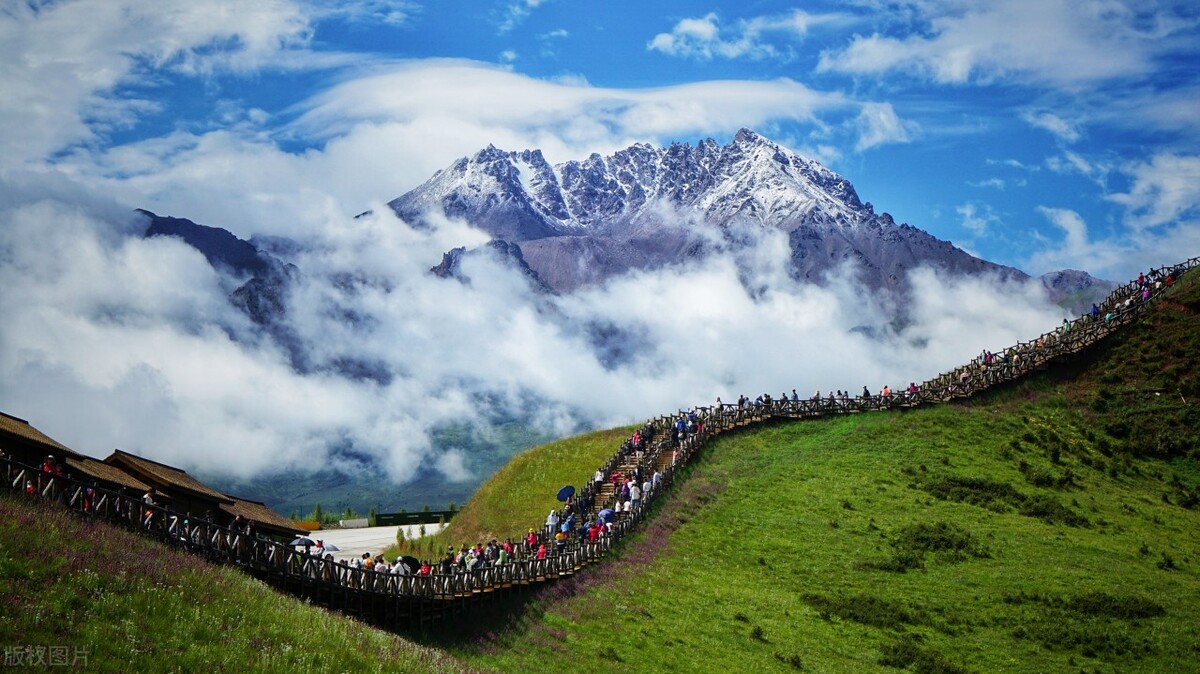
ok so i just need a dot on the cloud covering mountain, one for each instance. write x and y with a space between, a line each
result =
135 332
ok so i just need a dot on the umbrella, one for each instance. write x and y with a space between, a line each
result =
605 515
412 563
303 540
330 547
566 493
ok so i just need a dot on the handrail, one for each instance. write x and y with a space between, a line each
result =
663 445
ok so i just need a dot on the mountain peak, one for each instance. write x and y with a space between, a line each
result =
746 136
751 177
582 221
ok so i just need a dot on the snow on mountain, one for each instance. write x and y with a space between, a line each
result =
581 222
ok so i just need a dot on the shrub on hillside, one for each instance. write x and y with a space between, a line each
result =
911 544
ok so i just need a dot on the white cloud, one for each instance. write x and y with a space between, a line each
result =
1165 189
389 12
878 124
1055 42
995 183
1119 257
1014 163
1056 125
515 13
702 37
1096 170
62 63
977 218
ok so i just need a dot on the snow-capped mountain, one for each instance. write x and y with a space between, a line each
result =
582 222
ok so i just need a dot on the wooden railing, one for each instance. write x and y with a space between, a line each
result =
401 601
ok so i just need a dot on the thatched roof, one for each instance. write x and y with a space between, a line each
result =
163 477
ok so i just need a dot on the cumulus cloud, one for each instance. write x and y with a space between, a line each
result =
703 38
1114 258
1163 190
119 341
62 63
878 124
1057 42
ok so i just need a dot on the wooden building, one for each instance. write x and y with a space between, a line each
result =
173 487
27 445
134 476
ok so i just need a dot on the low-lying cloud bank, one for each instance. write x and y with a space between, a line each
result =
112 340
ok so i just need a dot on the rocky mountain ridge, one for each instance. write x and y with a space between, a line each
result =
580 223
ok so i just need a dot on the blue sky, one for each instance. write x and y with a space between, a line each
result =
1042 134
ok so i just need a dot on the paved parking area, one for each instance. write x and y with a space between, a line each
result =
354 542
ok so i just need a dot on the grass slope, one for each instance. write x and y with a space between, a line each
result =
521 494
126 604
1049 526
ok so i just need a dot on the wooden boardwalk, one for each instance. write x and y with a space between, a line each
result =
403 602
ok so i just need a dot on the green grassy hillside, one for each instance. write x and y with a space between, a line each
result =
1049 526
114 601
521 494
